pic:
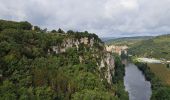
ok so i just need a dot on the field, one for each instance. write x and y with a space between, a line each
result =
162 72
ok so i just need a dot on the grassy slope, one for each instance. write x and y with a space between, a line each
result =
127 40
158 47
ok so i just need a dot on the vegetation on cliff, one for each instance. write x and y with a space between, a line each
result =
30 69
118 78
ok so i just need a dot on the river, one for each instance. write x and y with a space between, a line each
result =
135 83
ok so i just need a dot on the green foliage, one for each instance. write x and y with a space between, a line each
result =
44 93
129 41
159 90
25 25
14 25
158 47
119 70
30 70
70 32
93 95
7 91
120 91
118 78
162 94
60 31
53 31
36 28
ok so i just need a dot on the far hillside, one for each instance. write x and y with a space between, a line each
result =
158 47
127 40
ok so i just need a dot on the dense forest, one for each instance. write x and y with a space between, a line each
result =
160 91
32 69
158 47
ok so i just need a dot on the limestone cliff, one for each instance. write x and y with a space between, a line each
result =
105 61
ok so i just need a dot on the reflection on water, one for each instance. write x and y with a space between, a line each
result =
135 83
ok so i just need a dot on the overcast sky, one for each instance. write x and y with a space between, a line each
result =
106 18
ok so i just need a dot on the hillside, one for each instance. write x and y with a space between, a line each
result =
40 65
158 47
105 39
127 40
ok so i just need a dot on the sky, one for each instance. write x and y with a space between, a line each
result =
106 18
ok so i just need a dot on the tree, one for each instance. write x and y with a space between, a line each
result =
162 94
36 28
44 93
53 31
0 28
7 91
60 30
93 95
167 65
44 30
70 32
86 32
25 25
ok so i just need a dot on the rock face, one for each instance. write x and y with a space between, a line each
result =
108 64
105 64
71 42
117 49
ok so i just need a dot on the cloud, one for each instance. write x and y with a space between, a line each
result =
107 18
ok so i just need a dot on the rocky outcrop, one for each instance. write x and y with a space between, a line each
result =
106 63
117 49
71 42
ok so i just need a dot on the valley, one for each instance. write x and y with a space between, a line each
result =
48 65
84 50
151 57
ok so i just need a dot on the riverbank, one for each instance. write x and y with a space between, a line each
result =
159 91
118 78
150 60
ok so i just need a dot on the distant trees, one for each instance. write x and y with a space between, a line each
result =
15 25
44 30
36 28
157 47
60 31
25 25
53 31
70 32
